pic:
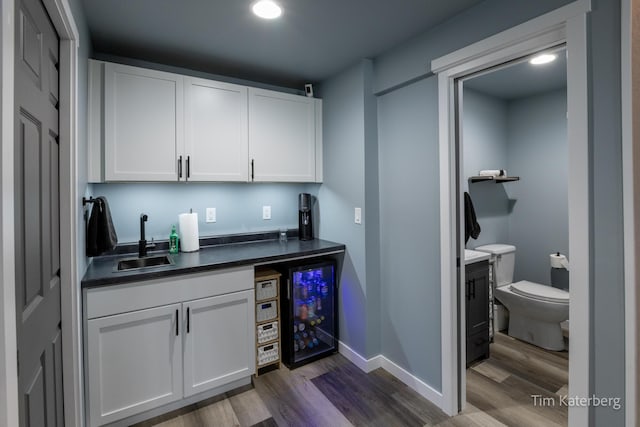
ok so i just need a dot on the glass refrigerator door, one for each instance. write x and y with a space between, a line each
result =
313 311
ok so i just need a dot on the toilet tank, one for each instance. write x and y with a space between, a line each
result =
504 260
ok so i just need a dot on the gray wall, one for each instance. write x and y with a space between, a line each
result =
238 207
410 229
372 208
606 200
538 154
484 146
343 189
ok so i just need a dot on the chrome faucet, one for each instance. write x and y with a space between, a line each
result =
142 243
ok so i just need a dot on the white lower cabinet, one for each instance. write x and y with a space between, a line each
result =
151 343
216 349
135 362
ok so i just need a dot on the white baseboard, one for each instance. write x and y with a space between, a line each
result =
367 365
379 361
422 388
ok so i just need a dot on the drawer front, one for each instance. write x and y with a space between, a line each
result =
267 332
115 299
266 311
266 289
268 353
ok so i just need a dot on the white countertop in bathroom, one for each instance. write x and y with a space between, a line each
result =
471 256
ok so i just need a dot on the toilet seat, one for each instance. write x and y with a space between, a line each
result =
539 292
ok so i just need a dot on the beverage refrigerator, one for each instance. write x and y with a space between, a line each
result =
309 312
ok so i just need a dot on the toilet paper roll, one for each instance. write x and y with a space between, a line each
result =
559 261
189 237
493 172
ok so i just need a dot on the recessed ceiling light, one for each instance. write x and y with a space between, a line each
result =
544 58
267 9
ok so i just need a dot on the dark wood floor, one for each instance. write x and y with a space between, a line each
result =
333 392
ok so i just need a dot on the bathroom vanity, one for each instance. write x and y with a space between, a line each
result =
477 310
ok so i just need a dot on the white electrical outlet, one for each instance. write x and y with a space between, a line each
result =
357 216
266 212
211 215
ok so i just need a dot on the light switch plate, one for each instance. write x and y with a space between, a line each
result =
266 212
210 215
357 217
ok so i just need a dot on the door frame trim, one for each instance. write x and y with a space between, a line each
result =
630 13
64 23
567 25
8 344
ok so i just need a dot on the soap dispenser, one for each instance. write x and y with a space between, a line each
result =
173 241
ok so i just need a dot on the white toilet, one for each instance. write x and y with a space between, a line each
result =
535 310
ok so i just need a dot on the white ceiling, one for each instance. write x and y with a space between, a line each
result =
313 40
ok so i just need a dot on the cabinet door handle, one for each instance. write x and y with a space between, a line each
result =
251 169
474 288
188 167
466 289
188 320
177 323
180 167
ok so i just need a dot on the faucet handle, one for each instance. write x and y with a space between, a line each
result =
151 245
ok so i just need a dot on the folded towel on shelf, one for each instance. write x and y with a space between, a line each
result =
493 172
101 234
471 226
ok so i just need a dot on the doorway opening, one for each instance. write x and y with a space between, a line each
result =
512 140
566 25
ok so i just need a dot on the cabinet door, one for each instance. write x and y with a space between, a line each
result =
134 362
216 141
218 341
143 124
282 136
477 283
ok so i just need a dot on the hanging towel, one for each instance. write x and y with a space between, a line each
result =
471 226
101 235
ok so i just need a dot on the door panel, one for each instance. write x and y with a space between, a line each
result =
134 362
57 378
35 397
143 117
282 134
29 158
216 138
219 341
30 39
37 218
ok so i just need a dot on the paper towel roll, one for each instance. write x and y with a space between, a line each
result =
559 261
189 237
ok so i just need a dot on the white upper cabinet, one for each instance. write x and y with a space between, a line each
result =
147 125
284 137
143 116
216 143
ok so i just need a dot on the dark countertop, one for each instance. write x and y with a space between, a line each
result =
102 270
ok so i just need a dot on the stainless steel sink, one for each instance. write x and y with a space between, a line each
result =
137 263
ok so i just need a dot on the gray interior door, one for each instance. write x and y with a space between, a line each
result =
37 220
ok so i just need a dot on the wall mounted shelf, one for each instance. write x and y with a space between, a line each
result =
496 179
